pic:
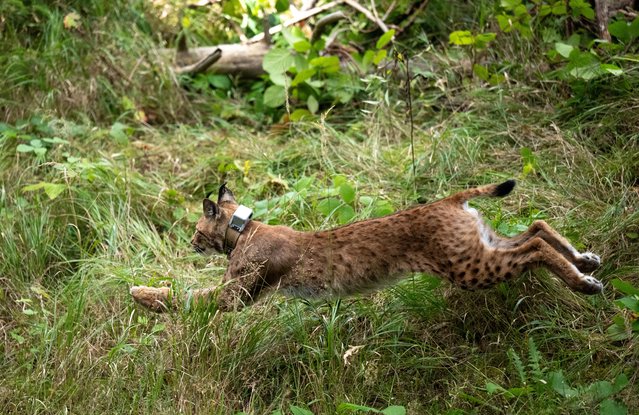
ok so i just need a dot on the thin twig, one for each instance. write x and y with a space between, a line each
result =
299 18
325 21
411 19
367 13
410 119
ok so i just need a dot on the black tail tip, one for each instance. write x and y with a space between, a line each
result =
504 188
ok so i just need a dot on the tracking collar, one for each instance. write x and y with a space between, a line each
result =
238 222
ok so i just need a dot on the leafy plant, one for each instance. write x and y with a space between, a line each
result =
625 324
302 77
536 379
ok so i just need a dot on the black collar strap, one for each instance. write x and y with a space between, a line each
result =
241 217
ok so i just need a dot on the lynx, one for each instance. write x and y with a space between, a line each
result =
446 238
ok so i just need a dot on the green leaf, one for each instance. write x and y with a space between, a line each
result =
312 104
40 151
327 64
299 114
277 61
625 287
281 5
119 133
385 39
483 39
296 410
380 56
630 303
481 72
612 407
600 390
343 407
347 192
303 76
275 96
52 190
621 381
559 8
24 148
560 385
461 37
219 81
564 49
327 206
581 8
510 4
610 68
394 410
382 208
302 46
493 388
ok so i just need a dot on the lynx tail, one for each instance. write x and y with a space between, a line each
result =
493 190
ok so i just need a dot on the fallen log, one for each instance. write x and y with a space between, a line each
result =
244 60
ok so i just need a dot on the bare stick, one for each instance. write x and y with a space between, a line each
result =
367 13
299 18
325 21
200 66
411 19
601 7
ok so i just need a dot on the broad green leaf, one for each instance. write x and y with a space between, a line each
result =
40 151
382 208
55 140
510 4
302 46
53 190
327 64
483 39
312 104
281 5
328 205
625 287
481 72
280 78
119 133
630 303
296 410
385 39
612 407
299 114
610 68
347 192
343 407
582 8
600 390
505 23
24 148
35 143
493 388
277 61
274 96
559 8
564 49
380 56
345 213
394 410
461 37
219 81
303 76
560 385
621 381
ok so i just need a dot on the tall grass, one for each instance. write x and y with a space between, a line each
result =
73 341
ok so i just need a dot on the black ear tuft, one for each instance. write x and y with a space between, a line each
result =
225 194
210 208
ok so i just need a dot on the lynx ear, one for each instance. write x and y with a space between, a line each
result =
225 195
210 208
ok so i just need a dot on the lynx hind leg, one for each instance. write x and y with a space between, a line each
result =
538 252
586 262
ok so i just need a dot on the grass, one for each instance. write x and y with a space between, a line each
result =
72 340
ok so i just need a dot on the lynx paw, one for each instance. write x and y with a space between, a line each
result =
155 299
590 285
587 262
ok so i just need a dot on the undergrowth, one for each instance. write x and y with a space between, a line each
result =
105 158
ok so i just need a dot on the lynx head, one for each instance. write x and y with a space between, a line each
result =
210 230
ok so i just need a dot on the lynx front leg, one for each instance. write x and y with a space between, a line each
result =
586 262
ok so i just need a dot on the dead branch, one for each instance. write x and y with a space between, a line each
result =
355 5
411 19
299 18
325 21
200 66
601 9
